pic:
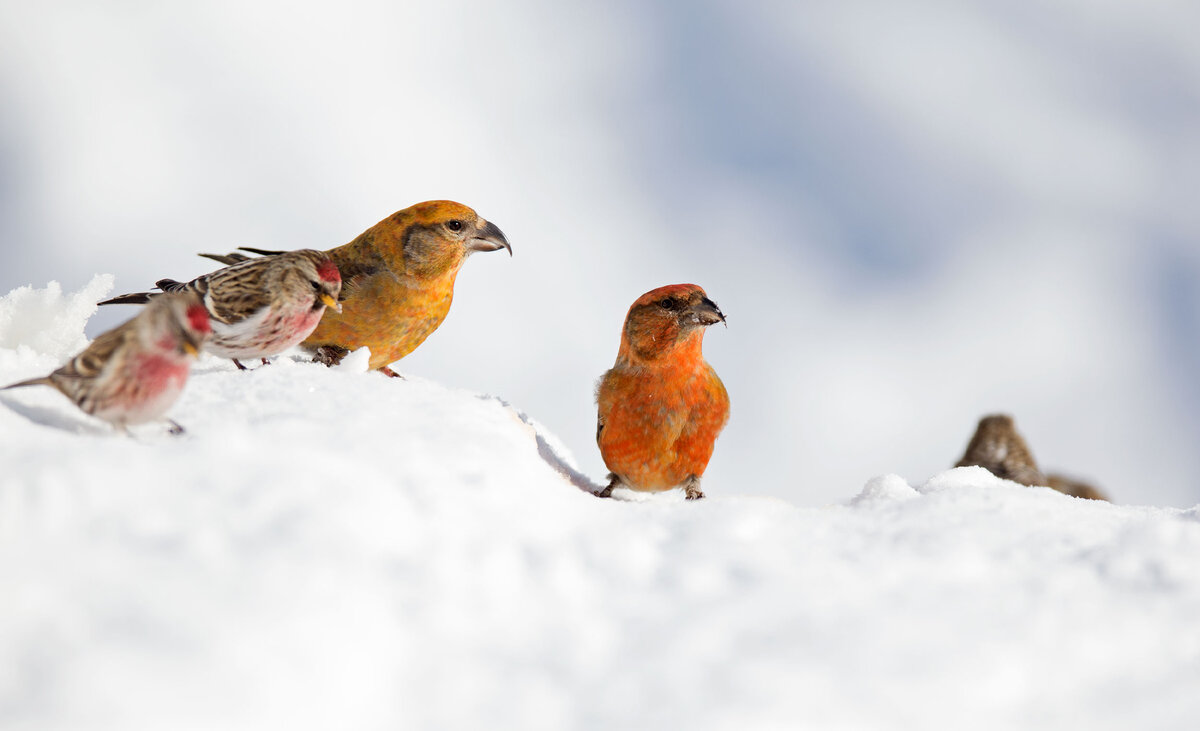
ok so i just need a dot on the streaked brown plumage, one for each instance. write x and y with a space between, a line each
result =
997 447
259 307
134 373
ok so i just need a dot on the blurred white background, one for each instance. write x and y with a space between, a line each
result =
911 215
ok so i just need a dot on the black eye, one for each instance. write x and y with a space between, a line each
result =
454 225
316 286
669 304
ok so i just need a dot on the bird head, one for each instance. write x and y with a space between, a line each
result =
666 319
177 321
312 274
434 237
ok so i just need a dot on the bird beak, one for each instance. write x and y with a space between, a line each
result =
330 302
190 348
707 313
489 238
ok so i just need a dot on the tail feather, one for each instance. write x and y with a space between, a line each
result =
171 285
43 381
261 252
226 259
234 257
135 298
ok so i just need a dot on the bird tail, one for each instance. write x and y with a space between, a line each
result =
226 259
260 252
43 381
136 298
234 257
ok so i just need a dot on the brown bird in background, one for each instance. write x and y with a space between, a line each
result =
997 447
1075 488
397 280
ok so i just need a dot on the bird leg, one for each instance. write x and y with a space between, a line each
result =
265 361
240 367
330 355
390 373
175 427
613 481
691 488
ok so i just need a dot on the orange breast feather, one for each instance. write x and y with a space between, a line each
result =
660 423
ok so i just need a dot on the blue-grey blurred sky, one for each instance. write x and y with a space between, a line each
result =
913 214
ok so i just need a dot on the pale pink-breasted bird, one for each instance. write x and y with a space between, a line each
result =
135 372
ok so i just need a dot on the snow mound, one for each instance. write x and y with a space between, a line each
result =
885 487
47 322
332 549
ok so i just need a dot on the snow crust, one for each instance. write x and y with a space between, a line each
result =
329 548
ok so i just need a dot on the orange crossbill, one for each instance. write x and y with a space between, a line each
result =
661 406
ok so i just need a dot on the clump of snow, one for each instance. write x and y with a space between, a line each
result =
45 321
959 477
885 487
356 361
337 550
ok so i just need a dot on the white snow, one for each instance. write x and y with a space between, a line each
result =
44 321
329 548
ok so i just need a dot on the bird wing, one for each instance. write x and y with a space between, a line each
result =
355 270
236 292
199 285
94 357
74 375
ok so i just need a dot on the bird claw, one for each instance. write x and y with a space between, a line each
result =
330 355
175 429
691 489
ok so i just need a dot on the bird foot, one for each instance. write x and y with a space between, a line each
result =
175 429
613 481
691 489
330 355
241 367
390 373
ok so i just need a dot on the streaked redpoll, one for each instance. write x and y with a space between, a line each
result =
259 307
135 372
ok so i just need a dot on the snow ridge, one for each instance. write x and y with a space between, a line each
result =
329 548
